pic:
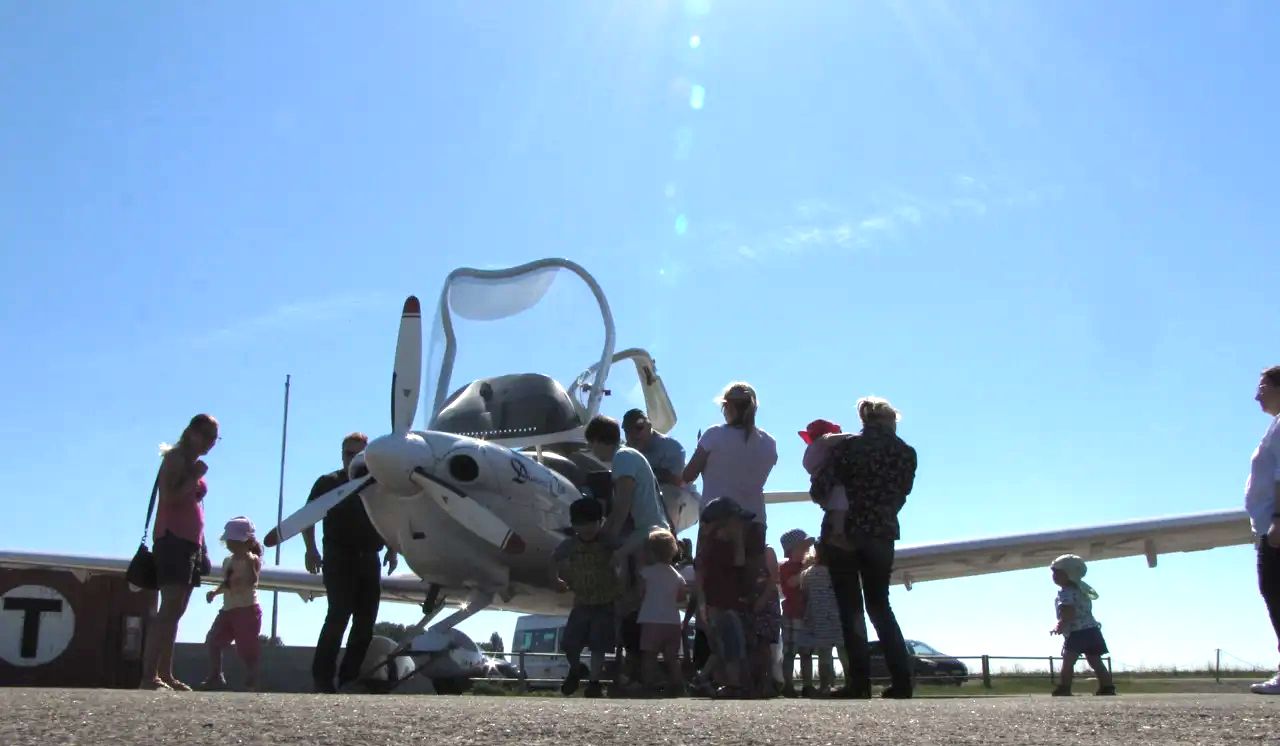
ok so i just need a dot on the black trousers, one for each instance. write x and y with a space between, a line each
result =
858 574
1269 581
352 583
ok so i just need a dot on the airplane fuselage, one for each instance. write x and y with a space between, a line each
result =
456 522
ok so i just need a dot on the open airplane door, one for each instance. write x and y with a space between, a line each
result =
657 405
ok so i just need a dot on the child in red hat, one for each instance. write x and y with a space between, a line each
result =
821 437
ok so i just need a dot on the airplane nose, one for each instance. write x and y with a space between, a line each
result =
392 458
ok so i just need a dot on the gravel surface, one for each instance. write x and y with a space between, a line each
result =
76 716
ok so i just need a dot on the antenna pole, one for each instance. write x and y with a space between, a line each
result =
284 439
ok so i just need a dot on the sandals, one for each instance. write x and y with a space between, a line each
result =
175 685
155 685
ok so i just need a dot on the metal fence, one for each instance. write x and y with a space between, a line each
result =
984 664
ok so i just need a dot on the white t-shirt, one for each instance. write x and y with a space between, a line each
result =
737 467
662 584
1264 472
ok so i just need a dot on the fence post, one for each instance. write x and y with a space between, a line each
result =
1217 666
1052 680
986 672
523 670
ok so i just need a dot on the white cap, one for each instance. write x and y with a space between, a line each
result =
238 529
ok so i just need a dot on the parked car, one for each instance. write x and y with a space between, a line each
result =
929 665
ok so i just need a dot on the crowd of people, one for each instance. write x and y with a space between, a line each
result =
631 579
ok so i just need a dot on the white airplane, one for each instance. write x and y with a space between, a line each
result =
477 502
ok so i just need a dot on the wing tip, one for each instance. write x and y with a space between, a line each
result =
412 307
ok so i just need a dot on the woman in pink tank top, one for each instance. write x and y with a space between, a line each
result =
178 546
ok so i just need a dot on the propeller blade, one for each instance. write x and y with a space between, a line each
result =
477 518
310 514
406 379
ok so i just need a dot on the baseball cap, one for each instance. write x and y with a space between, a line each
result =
794 538
238 529
585 510
724 507
817 429
632 417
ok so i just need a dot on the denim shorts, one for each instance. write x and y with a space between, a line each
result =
1086 642
590 626
726 634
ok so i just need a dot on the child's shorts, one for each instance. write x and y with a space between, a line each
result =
727 637
590 626
795 634
241 626
1086 642
661 638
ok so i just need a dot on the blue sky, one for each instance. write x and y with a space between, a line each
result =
1045 231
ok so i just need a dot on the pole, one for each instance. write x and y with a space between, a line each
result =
284 438
1217 666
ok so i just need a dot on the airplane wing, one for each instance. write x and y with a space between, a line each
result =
1149 538
405 587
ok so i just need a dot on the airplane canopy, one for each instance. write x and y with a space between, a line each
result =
489 295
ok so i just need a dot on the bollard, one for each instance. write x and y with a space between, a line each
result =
986 672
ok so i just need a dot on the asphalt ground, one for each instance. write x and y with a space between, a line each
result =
99 716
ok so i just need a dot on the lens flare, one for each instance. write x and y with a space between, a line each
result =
682 225
695 41
697 96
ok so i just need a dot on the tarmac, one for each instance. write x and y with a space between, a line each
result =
102 716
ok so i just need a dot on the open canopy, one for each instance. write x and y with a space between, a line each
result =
493 294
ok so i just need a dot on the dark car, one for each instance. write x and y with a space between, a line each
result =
929 665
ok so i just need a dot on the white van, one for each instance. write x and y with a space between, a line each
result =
540 633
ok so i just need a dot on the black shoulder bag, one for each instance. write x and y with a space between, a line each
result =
142 568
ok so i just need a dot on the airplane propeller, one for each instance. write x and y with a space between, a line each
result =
467 512
312 512
406 378
391 450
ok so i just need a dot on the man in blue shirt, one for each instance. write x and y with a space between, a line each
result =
636 510
635 488
665 455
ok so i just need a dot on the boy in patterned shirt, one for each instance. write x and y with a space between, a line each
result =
584 565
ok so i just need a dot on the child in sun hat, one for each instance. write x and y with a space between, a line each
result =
795 636
240 621
1083 634
820 437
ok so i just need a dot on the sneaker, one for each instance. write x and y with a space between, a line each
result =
570 684
1061 691
847 692
808 692
213 684
1270 686
593 690
896 692
789 692
1105 691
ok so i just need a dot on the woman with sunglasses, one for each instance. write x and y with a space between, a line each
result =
178 545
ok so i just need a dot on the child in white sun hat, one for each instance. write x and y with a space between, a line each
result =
1082 633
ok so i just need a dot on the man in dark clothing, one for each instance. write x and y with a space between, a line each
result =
877 470
351 575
